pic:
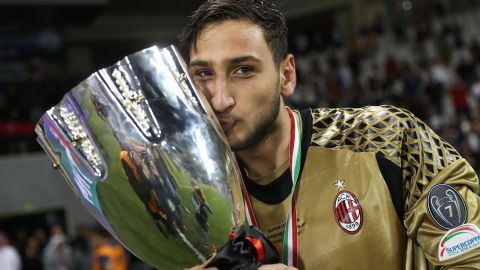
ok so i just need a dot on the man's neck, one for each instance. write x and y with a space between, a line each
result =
271 152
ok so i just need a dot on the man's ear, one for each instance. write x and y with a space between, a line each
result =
288 76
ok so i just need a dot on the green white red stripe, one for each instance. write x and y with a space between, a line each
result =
290 241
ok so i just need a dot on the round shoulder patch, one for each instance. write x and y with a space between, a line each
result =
446 206
348 212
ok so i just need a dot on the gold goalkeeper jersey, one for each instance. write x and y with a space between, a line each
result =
378 189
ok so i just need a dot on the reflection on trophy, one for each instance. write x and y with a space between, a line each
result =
144 152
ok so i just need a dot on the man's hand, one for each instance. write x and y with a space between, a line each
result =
278 266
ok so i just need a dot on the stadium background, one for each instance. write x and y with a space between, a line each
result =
420 55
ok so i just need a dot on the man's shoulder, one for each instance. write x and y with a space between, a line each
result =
9 250
380 113
379 129
384 119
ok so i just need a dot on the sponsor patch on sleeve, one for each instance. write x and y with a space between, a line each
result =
446 206
459 241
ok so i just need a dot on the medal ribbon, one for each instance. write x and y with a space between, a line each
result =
290 245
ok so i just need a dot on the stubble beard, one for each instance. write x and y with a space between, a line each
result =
265 126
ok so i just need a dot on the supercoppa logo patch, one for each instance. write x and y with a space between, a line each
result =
348 212
458 241
446 206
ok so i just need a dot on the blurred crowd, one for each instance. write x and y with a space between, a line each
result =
90 248
431 68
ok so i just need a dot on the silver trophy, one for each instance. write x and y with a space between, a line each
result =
143 151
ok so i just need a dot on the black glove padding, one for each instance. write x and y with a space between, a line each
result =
247 249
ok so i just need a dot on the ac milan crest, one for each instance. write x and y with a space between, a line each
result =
347 211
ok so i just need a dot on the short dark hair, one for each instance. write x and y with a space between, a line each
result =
263 13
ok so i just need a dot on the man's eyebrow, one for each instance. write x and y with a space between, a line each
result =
230 61
200 63
238 60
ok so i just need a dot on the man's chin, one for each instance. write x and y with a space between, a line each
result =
240 145
235 144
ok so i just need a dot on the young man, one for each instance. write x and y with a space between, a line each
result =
374 187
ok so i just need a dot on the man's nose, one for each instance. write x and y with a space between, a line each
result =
221 99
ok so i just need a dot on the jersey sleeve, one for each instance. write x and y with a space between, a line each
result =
441 197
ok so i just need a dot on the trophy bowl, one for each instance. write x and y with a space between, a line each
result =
143 151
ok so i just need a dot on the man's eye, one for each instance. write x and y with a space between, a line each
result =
203 73
244 70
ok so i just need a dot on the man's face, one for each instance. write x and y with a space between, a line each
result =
233 67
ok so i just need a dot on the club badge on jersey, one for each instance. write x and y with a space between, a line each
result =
347 210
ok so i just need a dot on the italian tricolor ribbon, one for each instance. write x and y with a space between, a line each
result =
290 244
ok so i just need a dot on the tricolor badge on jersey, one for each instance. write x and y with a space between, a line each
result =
458 241
446 206
348 212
